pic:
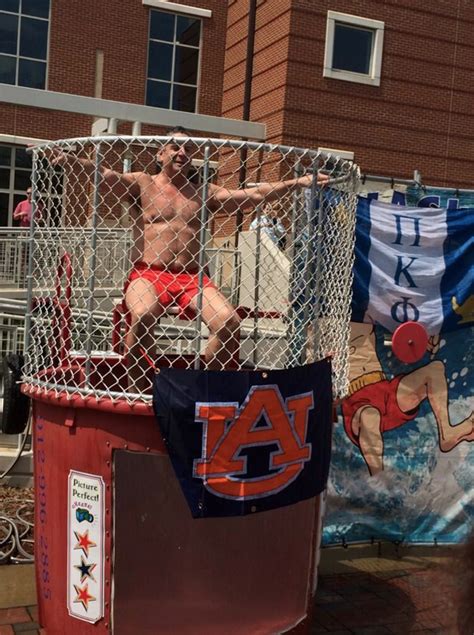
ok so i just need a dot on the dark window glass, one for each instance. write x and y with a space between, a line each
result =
22 180
8 33
188 31
160 61
4 178
162 26
352 48
32 74
33 38
158 94
184 98
5 155
4 200
39 8
57 181
43 165
186 65
54 213
10 5
22 158
7 69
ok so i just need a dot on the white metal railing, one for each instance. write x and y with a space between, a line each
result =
113 262
15 247
12 337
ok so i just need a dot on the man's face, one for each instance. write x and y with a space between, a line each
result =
28 193
175 156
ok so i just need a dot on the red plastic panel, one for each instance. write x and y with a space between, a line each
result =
75 439
173 574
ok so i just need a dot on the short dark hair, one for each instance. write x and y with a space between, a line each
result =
179 129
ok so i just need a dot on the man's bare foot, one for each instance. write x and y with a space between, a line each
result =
463 431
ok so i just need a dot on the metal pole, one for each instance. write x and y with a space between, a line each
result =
29 276
256 292
202 255
316 263
92 262
293 274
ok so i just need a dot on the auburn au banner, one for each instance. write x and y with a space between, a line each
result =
246 441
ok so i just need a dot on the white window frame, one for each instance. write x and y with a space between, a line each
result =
378 27
174 43
48 197
19 57
174 7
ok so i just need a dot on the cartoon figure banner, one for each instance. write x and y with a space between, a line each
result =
403 446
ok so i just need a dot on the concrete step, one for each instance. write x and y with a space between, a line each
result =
22 473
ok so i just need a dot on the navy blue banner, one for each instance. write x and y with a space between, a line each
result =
246 441
413 263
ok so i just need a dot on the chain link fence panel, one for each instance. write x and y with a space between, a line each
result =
183 251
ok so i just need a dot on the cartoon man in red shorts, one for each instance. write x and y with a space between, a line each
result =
165 211
376 404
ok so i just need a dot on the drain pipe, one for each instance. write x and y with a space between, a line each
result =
246 104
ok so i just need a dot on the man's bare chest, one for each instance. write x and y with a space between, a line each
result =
168 204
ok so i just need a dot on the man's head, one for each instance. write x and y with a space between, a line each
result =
175 155
28 193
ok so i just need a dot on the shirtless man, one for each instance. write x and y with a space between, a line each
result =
165 211
376 404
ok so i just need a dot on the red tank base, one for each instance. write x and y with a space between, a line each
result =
116 543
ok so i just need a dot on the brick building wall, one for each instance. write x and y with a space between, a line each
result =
78 30
420 117
269 65
269 78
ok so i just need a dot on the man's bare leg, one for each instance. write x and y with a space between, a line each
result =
429 382
144 309
366 426
223 324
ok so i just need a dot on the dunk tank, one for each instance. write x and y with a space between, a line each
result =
177 492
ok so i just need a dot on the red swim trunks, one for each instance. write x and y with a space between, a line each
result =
381 395
171 288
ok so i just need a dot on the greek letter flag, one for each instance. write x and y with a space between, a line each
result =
415 264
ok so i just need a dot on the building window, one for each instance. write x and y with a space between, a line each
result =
15 178
24 27
173 61
353 48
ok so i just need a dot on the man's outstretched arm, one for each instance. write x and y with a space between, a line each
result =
250 197
123 185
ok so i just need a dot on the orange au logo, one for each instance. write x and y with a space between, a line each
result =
229 429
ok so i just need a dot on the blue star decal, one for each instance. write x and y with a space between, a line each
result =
85 569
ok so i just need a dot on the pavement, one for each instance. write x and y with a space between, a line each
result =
362 590
382 589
